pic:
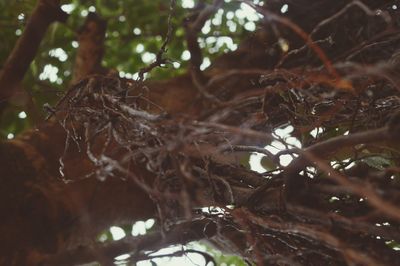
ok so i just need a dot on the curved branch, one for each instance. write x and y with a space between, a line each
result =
45 13
180 234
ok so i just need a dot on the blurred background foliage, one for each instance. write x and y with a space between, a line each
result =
135 32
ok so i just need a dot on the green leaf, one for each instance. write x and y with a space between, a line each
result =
377 162
267 163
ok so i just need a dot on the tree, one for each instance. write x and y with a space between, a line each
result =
308 88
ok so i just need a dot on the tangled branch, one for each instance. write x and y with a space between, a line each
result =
334 203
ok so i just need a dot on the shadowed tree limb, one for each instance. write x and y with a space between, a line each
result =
45 13
135 245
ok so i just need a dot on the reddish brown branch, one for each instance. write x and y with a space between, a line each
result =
300 32
136 246
90 53
311 233
325 148
45 13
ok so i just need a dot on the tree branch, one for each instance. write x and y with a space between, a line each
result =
45 13
193 25
91 48
324 148
134 245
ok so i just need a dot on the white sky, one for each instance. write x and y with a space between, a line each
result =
275 147
140 228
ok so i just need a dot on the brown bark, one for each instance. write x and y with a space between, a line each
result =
48 214
52 214
45 13
91 48
45 213
191 231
